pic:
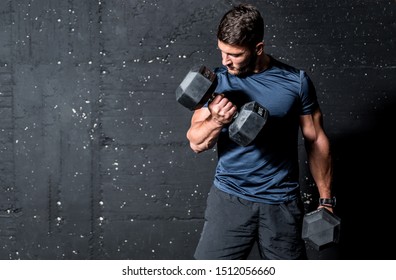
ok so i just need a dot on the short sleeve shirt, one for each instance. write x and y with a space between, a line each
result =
266 170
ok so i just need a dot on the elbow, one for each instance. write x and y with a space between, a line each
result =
195 148
201 147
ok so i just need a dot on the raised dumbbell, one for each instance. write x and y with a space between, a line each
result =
198 87
321 228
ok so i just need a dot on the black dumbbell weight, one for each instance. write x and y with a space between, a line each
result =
247 123
321 228
197 88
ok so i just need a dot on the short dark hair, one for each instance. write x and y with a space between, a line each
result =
243 25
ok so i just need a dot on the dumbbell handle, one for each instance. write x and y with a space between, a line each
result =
213 97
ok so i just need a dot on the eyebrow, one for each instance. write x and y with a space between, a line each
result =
233 54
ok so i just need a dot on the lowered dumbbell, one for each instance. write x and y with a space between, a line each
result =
198 87
321 228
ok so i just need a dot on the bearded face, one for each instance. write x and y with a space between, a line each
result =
239 61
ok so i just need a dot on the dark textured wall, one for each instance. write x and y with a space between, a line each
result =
94 163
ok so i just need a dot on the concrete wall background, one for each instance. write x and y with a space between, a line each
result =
94 163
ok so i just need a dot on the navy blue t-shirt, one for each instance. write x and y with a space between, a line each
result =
266 170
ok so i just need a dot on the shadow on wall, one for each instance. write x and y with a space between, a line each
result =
365 184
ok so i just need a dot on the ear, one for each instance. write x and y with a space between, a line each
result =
260 48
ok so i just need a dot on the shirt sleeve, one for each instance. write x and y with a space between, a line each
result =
309 100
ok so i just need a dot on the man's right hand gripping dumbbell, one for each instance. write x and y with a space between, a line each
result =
223 111
198 88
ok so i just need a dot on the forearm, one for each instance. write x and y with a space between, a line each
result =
206 123
203 135
320 163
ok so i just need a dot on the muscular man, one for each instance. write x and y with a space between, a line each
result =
256 193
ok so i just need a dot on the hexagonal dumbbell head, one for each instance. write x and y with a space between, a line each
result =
196 88
249 121
321 228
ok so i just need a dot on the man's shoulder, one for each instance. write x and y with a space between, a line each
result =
220 70
277 65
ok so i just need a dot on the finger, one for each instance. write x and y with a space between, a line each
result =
228 105
218 98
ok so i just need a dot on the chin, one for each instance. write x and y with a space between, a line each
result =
233 72
240 71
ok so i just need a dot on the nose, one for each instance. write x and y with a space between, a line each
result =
225 59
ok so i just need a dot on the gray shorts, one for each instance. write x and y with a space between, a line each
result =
233 225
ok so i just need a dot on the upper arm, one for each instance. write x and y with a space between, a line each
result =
312 126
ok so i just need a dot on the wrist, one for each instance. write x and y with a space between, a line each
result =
327 202
215 123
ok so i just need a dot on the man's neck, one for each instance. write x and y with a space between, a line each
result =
263 63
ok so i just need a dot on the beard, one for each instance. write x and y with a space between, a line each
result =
246 69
